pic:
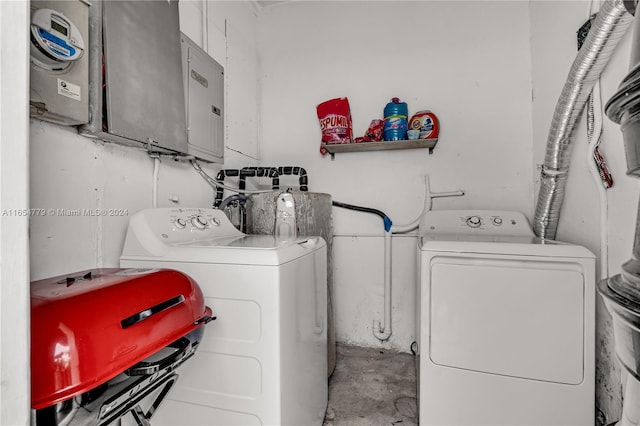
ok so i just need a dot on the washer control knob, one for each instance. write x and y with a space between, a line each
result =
497 221
474 221
180 223
199 222
215 221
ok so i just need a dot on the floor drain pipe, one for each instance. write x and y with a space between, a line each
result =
382 331
608 28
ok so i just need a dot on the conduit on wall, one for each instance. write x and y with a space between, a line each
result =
382 329
608 28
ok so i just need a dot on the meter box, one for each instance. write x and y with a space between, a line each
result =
59 89
203 79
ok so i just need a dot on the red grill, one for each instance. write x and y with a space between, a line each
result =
102 340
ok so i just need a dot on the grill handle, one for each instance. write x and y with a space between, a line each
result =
184 349
143 315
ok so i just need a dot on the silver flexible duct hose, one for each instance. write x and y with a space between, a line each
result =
610 25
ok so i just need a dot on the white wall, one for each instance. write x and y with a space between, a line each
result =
469 62
14 198
553 49
70 172
478 65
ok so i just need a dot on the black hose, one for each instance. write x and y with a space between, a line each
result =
385 218
270 172
275 172
359 208
295 170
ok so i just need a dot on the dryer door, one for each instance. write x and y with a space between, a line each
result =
509 316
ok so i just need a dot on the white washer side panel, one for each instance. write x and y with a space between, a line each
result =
515 318
263 360
236 367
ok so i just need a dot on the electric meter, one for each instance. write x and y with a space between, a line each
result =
55 41
59 90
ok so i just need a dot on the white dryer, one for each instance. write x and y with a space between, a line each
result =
505 324
264 360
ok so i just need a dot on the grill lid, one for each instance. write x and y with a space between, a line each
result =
90 326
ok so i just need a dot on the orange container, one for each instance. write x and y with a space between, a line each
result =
427 123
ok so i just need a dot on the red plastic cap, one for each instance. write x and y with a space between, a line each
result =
395 100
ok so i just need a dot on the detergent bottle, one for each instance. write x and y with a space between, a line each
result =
395 120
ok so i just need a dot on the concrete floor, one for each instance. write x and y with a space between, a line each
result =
372 387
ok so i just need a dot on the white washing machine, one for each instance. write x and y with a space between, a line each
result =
505 324
263 361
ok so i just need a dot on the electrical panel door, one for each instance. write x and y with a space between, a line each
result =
204 98
143 74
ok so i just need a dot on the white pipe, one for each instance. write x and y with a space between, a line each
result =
595 174
382 331
428 202
399 229
205 25
154 192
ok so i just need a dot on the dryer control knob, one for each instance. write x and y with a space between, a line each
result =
180 223
474 221
497 221
199 222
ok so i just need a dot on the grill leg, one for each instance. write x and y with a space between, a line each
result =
142 418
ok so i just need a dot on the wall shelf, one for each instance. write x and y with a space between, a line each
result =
380 146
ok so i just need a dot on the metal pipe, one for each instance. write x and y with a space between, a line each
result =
610 25
230 199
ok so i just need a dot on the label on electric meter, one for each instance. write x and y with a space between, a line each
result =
68 89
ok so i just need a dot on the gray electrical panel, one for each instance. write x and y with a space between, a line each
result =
59 77
137 94
203 79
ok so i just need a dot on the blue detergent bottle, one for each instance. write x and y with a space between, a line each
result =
395 120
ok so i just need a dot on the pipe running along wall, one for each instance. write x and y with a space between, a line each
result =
382 329
608 28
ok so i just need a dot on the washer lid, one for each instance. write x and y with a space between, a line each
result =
257 250
258 242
